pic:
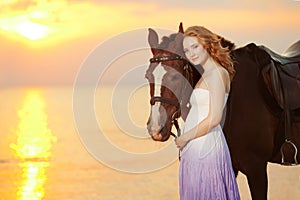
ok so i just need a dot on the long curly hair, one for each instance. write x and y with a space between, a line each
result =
211 42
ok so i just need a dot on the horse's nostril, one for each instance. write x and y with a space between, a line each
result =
157 137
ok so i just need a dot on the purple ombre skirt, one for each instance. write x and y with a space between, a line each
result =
207 174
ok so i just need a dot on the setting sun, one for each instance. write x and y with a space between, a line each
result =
45 23
33 31
26 27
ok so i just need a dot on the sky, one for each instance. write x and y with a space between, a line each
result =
44 42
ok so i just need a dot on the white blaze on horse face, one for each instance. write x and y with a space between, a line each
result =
158 74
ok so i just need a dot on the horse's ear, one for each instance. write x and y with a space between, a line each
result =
180 28
152 39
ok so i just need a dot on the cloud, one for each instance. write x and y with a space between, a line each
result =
72 28
204 4
71 19
16 5
65 20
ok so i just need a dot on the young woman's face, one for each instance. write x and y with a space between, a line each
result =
194 51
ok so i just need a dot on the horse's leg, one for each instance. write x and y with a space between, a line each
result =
258 181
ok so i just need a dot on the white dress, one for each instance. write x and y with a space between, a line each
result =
205 168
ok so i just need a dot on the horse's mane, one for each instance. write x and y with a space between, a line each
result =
226 43
166 41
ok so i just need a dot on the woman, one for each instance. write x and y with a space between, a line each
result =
205 169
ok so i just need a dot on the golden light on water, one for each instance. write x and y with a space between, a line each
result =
34 138
33 145
33 180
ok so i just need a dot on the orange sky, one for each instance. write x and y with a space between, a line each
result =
44 42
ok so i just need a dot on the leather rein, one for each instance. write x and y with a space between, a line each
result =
187 74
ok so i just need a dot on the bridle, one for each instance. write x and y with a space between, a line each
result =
187 71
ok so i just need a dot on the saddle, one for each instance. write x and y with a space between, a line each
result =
282 78
282 75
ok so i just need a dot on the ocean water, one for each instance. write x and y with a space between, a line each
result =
46 154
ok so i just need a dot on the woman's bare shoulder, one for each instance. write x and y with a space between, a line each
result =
221 74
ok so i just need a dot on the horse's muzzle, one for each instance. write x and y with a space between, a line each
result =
157 137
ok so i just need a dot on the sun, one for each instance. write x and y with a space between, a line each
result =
33 31
34 25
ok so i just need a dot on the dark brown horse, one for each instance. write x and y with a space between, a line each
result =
262 121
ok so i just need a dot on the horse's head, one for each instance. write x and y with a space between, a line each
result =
169 79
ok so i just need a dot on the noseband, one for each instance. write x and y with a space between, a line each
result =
187 74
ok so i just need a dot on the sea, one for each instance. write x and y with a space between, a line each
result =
65 143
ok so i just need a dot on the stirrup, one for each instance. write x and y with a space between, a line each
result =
283 162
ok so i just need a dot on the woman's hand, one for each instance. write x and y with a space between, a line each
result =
181 141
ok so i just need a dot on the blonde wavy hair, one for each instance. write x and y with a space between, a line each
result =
211 42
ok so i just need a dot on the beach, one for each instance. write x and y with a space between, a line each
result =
66 168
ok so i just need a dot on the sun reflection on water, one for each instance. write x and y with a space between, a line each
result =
33 180
33 145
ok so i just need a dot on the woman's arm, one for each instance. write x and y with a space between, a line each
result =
217 82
